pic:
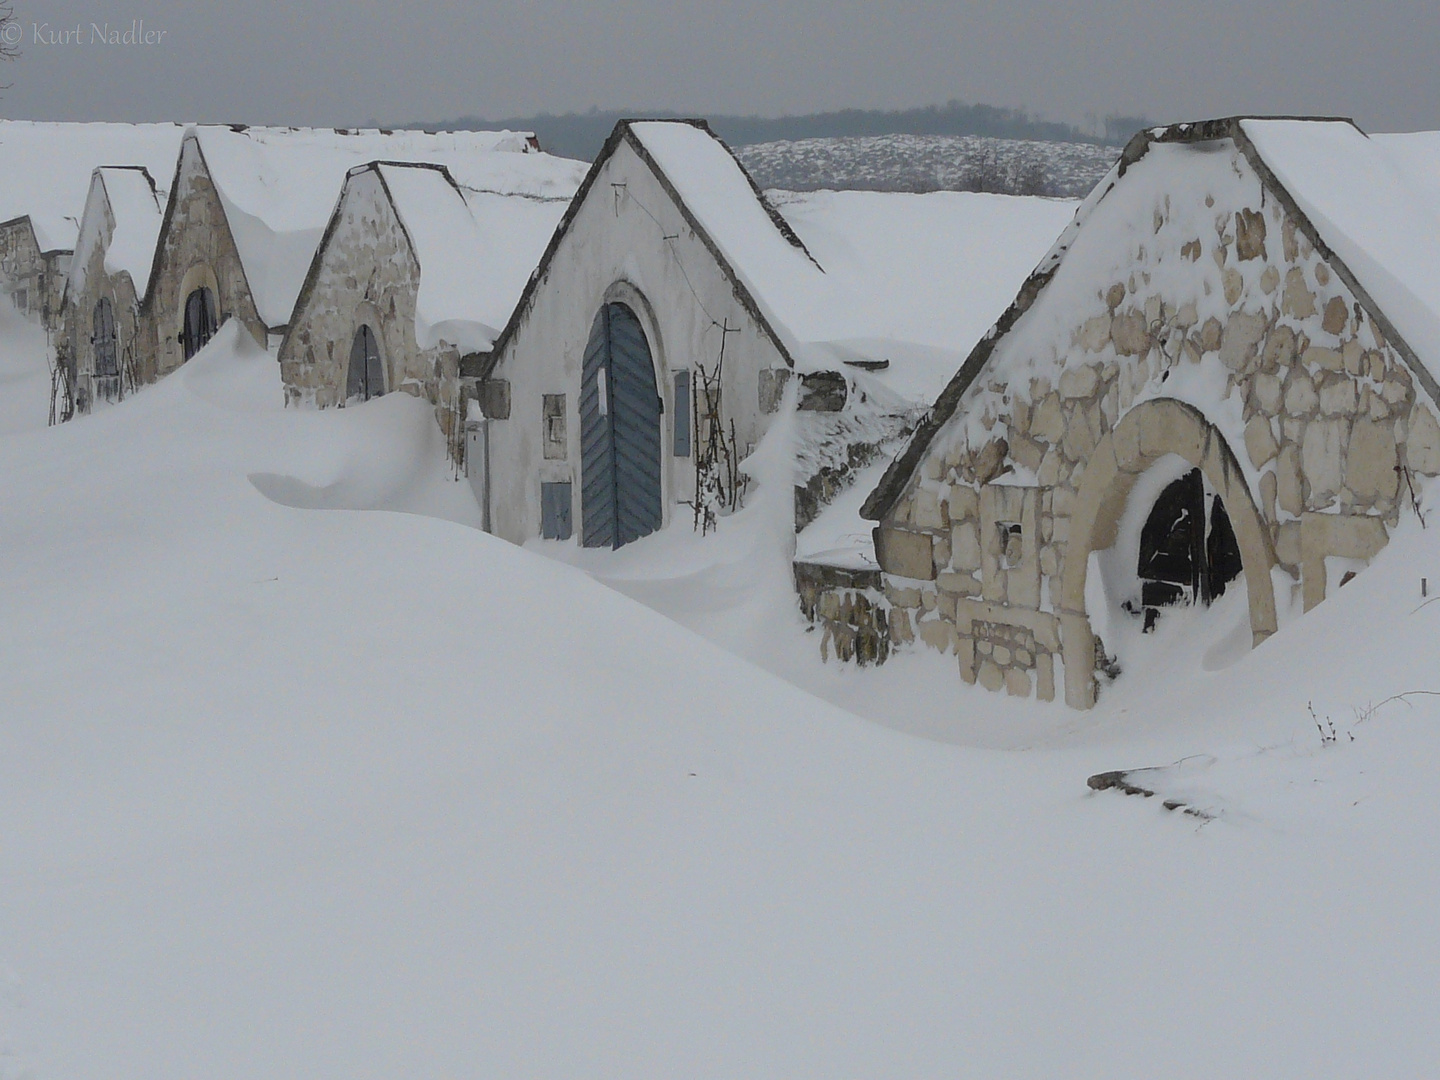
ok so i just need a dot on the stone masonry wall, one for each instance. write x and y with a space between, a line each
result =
195 247
1228 309
367 273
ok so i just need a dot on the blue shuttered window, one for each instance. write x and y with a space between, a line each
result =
555 511
682 414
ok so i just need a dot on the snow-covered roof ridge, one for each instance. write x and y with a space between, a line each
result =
475 248
887 258
138 209
135 206
46 169
278 186
451 300
1310 165
749 238
480 366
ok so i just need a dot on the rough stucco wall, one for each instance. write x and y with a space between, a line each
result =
196 234
367 274
1215 300
613 239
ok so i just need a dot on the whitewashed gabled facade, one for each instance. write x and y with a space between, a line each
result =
632 241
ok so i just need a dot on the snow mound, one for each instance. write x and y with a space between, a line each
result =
401 798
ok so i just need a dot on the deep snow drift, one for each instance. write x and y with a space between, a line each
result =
342 793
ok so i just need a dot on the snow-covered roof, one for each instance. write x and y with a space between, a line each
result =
780 274
862 274
1372 201
279 186
476 250
917 279
837 276
45 169
1375 201
128 194
137 209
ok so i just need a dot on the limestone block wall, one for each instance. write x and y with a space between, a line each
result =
850 608
195 248
1192 317
366 273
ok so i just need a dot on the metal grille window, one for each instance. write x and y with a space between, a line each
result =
553 418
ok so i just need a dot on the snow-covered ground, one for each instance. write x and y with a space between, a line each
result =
24 372
361 791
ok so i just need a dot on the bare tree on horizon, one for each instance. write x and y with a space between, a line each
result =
10 35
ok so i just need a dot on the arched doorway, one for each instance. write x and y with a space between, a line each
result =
200 321
620 492
365 376
106 365
1150 432
1188 551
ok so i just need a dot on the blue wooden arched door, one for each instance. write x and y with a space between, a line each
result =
619 432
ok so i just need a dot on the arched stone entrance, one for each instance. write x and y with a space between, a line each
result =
199 322
365 372
1144 435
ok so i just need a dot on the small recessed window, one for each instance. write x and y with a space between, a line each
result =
1011 544
553 410
682 414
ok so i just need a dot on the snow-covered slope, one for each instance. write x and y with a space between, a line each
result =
340 793
24 373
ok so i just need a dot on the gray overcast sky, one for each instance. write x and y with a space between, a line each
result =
334 62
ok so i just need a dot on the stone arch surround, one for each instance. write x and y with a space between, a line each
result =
1143 436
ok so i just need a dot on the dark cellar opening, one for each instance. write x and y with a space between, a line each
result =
1188 551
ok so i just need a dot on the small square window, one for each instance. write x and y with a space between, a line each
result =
1012 546
553 412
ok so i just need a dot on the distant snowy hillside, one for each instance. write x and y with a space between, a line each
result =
929 163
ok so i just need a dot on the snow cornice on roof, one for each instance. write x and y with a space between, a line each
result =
897 477
481 365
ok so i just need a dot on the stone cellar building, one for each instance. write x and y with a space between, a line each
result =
1220 376
413 272
104 331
